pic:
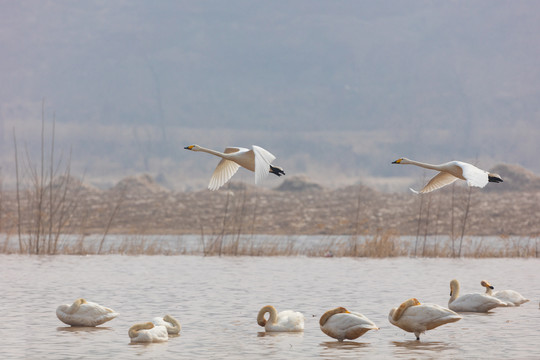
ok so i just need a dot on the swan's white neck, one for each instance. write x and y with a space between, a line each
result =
424 165
213 152
455 292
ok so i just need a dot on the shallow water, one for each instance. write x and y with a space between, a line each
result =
217 300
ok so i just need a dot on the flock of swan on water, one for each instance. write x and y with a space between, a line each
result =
339 323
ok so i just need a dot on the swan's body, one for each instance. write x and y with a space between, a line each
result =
171 324
84 313
341 324
471 302
412 316
148 332
450 172
287 320
510 297
257 160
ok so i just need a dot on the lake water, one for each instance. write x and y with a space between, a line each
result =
217 301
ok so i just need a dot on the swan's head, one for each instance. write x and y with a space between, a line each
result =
194 147
485 284
401 161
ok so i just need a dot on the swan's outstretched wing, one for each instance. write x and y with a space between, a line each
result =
224 171
475 176
263 159
438 181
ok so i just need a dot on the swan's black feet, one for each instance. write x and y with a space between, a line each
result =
276 170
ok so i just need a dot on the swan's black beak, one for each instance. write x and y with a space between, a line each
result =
397 161
188 147
491 287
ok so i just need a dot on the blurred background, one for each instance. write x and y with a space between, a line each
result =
335 89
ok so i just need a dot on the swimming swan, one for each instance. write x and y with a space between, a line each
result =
341 324
257 160
287 320
171 324
510 297
450 172
84 313
471 302
148 332
412 316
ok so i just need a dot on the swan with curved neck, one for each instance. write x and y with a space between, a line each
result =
471 302
412 316
171 324
84 313
341 324
257 160
450 172
510 297
287 320
148 332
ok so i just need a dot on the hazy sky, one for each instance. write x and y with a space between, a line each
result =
335 89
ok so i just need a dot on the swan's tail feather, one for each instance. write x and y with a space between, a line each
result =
276 170
494 178
414 191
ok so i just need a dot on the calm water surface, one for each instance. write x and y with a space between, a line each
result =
217 300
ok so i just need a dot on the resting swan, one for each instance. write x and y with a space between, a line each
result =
148 332
171 324
412 316
510 297
287 320
84 313
450 172
257 160
341 324
471 302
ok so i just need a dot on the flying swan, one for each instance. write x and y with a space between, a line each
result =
171 324
84 313
471 302
341 324
450 172
412 316
510 297
148 332
257 160
287 320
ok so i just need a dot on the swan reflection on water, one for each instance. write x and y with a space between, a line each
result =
346 345
280 333
421 345
76 329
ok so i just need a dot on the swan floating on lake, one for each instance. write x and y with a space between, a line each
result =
339 323
450 172
148 332
287 320
510 297
171 324
257 160
412 316
471 302
84 313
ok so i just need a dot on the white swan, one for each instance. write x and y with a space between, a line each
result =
84 313
412 316
471 302
450 172
287 320
257 160
171 324
510 297
341 324
148 332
